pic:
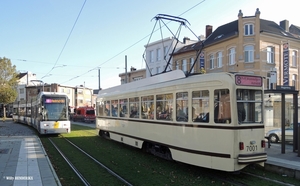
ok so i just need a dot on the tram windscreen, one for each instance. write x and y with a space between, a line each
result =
249 106
55 108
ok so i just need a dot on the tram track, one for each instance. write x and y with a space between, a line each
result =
76 170
140 168
81 177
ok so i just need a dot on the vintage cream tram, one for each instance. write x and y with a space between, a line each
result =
208 120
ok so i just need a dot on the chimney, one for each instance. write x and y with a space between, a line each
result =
132 69
185 39
208 30
285 25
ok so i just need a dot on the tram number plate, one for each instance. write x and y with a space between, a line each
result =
251 148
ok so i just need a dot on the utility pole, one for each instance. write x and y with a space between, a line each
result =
99 87
125 68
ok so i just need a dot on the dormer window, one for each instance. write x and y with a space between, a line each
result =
248 28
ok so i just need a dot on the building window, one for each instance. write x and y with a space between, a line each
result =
231 57
184 65
270 55
158 54
294 81
294 58
165 52
249 53
157 70
151 56
211 61
219 59
248 29
177 65
21 90
191 65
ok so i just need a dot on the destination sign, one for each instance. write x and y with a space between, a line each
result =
245 80
55 100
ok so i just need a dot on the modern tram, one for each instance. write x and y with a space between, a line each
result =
47 113
212 120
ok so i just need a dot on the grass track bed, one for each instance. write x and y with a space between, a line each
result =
137 167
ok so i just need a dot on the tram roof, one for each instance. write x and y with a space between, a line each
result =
51 93
165 77
169 78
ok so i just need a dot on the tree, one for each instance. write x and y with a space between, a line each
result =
8 83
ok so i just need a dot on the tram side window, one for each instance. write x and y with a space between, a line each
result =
164 104
107 108
114 108
123 105
182 106
134 107
100 108
28 110
147 107
200 107
249 106
222 110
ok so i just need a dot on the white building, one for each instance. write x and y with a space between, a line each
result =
158 54
24 80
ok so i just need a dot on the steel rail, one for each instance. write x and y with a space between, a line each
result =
81 177
103 166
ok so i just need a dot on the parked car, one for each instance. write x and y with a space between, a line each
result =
274 135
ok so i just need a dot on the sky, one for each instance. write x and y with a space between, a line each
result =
68 41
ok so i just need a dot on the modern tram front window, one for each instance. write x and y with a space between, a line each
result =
54 109
249 106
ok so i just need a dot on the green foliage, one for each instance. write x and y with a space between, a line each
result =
8 81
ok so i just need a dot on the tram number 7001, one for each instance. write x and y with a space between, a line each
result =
252 148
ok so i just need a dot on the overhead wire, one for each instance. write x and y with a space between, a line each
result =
67 39
99 66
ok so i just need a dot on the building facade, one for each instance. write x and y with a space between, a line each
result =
158 54
79 96
255 46
251 45
132 75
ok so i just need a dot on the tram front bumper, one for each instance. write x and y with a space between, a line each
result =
252 158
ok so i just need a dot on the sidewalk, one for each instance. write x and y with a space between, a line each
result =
286 164
23 160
